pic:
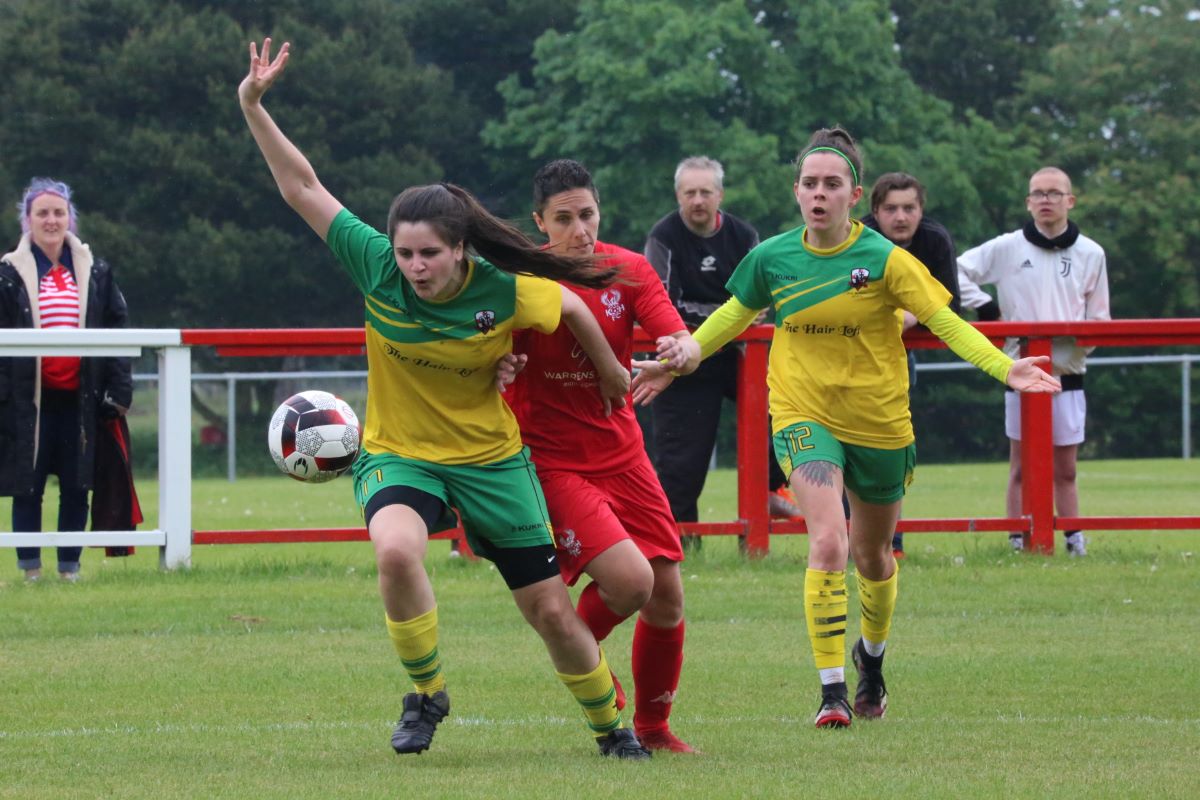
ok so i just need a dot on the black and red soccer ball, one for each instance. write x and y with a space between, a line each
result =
314 436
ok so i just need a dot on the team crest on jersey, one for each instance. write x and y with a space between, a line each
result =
614 309
859 277
485 321
569 543
1066 266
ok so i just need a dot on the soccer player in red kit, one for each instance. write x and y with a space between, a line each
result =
611 518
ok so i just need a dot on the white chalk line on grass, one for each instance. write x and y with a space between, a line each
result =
172 729
160 729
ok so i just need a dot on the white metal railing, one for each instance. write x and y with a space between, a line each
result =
174 533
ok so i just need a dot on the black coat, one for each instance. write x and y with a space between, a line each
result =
20 378
933 247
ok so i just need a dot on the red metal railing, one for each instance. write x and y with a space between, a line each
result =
1037 452
753 521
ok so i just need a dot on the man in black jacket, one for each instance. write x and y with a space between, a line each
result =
695 249
898 212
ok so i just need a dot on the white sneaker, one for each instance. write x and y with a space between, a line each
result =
1076 544
1016 542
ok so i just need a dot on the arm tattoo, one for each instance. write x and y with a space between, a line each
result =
818 473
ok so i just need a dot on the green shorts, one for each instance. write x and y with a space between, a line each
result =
501 503
876 476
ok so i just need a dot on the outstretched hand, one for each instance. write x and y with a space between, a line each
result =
263 71
1026 375
652 379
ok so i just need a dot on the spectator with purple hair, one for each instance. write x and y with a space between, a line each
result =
49 406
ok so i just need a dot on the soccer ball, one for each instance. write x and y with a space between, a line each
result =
314 436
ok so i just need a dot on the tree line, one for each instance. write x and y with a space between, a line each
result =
133 103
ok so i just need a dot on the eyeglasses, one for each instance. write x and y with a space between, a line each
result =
1054 195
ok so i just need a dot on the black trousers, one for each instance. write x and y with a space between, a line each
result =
58 454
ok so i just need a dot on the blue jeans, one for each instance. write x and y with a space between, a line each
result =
58 454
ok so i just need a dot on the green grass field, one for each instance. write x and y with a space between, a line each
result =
265 671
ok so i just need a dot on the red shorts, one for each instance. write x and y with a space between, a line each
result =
592 513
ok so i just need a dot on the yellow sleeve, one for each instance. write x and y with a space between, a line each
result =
723 326
969 344
539 304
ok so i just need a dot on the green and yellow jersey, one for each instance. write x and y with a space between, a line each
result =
431 365
837 357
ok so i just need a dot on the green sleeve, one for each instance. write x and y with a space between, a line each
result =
723 326
748 283
363 251
969 344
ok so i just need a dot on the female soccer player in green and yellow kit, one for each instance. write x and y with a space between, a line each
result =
444 290
839 398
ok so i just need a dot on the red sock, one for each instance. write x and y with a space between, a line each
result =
657 660
597 616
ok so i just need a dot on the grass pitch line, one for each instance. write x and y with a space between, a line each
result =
275 727
158 729
694 722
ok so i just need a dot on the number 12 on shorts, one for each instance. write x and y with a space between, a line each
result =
797 438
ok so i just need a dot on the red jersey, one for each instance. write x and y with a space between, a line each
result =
556 397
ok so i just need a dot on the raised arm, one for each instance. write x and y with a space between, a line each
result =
295 177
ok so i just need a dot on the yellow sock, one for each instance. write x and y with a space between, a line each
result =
825 606
595 693
878 599
416 640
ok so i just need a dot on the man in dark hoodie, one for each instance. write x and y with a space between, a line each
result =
898 212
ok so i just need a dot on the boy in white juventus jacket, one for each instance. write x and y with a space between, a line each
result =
1046 272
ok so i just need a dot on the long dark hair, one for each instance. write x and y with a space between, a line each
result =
457 216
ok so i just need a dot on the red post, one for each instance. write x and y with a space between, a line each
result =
1037 461
752 447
